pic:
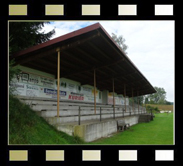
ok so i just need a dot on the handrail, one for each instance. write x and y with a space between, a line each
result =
114 113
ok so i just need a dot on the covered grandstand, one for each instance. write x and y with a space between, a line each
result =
84 70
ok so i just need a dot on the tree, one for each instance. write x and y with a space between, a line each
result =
26 34
156 98
23 35
120 40
138 99
146 100
168 102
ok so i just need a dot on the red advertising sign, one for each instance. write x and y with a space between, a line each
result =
74 97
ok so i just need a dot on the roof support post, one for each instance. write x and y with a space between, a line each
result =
58 81
94 91
138 100
125 95
113 98
132 101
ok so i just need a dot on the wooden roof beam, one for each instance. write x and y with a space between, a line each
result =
42 68
115 76
34 56
112 45
78 42
30 57
87 55
97 49
70 55
97 66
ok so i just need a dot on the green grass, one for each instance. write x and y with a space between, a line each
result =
26 127
157 132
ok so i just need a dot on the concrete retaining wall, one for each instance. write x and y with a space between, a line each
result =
91 130
145 118
132 120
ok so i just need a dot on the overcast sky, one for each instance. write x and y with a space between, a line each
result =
150 46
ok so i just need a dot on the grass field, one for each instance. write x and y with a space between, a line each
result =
157 132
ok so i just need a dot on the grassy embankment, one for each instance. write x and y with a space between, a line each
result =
26 127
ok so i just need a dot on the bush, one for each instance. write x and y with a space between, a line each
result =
153 109
156 109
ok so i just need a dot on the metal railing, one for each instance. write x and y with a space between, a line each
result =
120 110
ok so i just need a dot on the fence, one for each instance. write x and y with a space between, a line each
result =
108 112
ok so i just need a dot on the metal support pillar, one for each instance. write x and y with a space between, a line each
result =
100 114
132 101
94 91
138 100
113 98
125 95
79 116
58 81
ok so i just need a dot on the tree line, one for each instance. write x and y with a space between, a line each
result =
156 98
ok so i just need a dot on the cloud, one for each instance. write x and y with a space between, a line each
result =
64 27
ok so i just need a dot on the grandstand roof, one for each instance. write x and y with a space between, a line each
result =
81 52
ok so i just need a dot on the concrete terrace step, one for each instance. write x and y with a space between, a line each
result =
75 118
53 107
53 113
36 100
39 100
40 107
47 102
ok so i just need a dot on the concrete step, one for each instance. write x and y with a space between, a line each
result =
39 107
54 101
53 113
61 120
36 102
66 117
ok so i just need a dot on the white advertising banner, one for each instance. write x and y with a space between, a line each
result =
33 79
118 100
51 93
32 90
19 88
28 84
